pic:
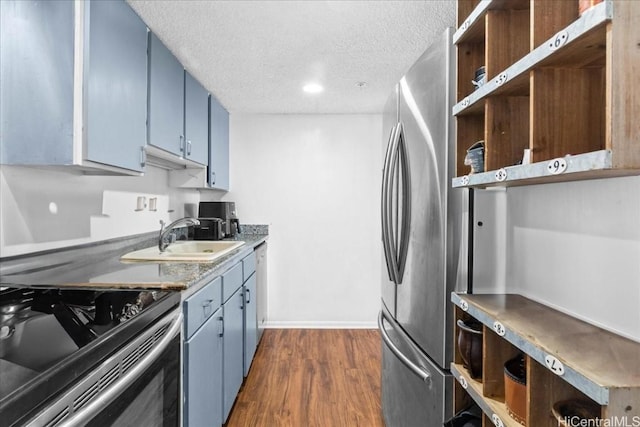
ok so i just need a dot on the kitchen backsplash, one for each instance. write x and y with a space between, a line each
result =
46 208
254 228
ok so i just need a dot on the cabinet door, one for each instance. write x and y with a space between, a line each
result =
250 321
36 88
219 146
117 85
203 374
166 99
196 120
233 343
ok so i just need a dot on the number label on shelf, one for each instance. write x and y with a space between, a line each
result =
465 180
501 174
463 382
501 79
499 328
466 102
464 305
465 25
497 421
557 166
554 365
559 40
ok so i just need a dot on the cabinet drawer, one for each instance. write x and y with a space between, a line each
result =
201 305
248 266
231 281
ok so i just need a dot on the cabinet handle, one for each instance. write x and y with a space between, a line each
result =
188 147
242 299
221 326
206 306
248 296
213 178
182 143
143 157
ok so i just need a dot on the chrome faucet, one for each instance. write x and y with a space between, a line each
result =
164 240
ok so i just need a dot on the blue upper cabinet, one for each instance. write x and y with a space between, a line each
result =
166 99
39 82
178 122
196 120
218 146
117 85
36 82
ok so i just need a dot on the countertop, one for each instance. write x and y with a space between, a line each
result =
98 266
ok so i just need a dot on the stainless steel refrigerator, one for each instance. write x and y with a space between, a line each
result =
424 240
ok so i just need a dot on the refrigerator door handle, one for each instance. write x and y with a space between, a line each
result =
386 202
422 373
393 192
383 203
405 224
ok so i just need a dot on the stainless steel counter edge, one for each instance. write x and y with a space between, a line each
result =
98 266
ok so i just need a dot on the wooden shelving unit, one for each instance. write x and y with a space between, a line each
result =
562 86
566 358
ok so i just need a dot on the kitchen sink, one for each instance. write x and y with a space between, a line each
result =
185 251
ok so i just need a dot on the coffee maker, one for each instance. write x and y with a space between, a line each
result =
218 220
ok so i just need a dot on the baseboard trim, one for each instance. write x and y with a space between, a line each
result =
319 325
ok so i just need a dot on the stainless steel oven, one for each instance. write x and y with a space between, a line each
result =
113 359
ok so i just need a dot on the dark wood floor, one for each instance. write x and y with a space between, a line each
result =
312 378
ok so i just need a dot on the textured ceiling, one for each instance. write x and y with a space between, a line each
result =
255 56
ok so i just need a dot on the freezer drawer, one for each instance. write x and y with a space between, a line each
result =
420 398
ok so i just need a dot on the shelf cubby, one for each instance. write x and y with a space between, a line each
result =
559 84
566 358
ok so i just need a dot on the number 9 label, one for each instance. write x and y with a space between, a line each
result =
557 166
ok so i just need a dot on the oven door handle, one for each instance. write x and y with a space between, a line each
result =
100 402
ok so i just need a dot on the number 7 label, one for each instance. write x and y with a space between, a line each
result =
554 365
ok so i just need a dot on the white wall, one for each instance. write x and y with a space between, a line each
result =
315 180
87 208
576 246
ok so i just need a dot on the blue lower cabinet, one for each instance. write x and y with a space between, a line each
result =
203 374
220 344
233 350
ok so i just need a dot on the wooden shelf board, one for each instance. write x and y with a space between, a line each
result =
489 406
582 48
472 28
595 361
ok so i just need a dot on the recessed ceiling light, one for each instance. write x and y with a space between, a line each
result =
312 88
